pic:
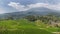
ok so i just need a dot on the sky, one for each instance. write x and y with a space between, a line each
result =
7 6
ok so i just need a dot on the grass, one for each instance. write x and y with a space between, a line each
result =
26 31
23 26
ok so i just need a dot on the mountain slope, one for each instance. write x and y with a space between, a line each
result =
33 11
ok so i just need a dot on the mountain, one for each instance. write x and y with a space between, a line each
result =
33 11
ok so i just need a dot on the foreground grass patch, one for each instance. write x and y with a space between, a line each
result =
26 31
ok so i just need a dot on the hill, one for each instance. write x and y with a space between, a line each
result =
34 11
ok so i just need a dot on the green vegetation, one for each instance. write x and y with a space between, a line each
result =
30 25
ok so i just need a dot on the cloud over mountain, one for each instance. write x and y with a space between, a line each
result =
21 7
2 11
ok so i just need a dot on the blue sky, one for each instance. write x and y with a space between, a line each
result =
24 5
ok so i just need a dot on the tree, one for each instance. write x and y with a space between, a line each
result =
31 18
10 17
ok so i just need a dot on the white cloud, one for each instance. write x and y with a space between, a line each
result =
20 7
2 11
